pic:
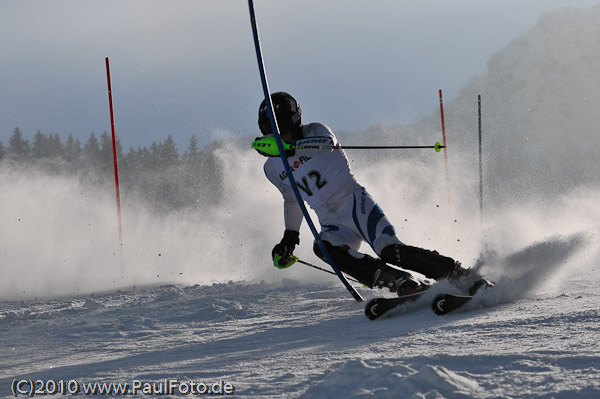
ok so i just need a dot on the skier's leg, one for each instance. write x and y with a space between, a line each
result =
366 219
429 263
349 222
434 265
341 243
369 271
375 228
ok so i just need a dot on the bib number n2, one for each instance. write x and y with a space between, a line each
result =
315 177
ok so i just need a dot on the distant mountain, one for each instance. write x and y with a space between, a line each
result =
540 115
540 107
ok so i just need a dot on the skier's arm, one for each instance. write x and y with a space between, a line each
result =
317 134
326 141
282 253
292 214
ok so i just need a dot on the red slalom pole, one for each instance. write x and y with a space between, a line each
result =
445 149
114 143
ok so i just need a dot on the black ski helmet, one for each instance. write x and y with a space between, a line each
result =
287 112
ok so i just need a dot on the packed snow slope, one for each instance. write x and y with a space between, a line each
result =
533 338
191 295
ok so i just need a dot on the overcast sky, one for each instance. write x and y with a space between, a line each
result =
184 67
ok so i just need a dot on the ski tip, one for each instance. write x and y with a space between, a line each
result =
446 303
439 305
372 309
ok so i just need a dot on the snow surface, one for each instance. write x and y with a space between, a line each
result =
295 339
192 296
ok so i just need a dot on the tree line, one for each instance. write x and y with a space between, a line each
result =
159 174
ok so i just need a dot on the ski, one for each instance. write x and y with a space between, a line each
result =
378 307
445 303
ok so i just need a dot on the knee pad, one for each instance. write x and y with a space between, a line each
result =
358 265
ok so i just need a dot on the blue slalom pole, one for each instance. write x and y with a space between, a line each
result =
275 128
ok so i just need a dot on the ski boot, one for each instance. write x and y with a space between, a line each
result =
423 261
468 280
398 281
410 285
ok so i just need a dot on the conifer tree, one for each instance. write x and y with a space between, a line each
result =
192 155
91 151
39 147
106 148
154 160
17 145
55 147
144 156
168 152
72 149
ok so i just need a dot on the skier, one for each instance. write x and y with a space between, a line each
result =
348 215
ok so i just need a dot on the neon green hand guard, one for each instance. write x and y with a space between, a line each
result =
268 145
277 258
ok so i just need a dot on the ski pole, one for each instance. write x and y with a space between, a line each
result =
268 145
437 146
293 259
324 270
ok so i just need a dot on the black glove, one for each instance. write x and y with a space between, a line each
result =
282 253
